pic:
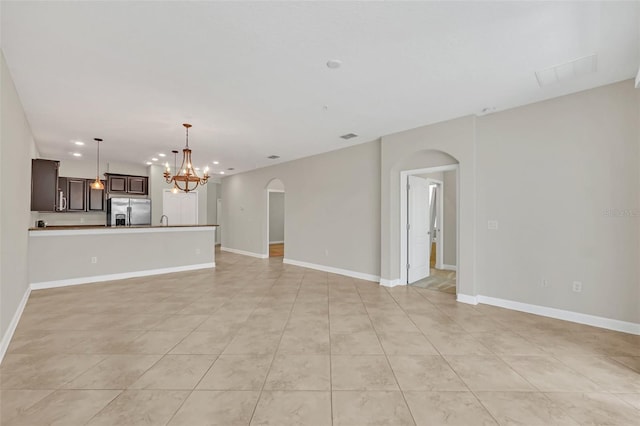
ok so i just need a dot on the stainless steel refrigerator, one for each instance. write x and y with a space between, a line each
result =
128 212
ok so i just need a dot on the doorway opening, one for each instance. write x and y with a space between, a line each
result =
429 228
275 219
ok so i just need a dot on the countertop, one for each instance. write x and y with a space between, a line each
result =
87 227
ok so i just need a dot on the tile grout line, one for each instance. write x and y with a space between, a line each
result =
278 346
387 357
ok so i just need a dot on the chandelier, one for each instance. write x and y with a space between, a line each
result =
185 178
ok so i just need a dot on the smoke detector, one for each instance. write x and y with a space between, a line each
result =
334 63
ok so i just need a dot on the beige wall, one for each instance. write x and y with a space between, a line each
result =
450 243
276 216
67 257
549 173
17 148
445 143
332 209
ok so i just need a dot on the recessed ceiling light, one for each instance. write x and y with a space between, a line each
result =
216 162
221 173
148 163
154 159
273 157
334 63
79 143
349 136
77 154
162 155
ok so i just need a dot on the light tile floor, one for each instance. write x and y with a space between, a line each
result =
261 343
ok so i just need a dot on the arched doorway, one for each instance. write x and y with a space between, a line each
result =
275 223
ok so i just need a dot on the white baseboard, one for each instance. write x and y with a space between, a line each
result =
445 267
390 283
465 298
245 253
8 335
276 242
608 323
353 274
121 276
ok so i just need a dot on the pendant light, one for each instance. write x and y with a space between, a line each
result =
97 184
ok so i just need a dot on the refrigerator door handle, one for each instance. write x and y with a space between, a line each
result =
129 216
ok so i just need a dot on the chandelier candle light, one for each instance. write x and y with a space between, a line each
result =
185 178
97 184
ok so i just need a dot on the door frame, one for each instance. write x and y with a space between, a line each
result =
404 220
440 214
266 248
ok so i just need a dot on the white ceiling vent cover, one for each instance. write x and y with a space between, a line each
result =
568 70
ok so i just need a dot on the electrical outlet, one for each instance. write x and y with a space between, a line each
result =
94 259
492 224
197 251
577 286
544 283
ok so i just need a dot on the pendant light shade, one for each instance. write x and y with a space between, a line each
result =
97 184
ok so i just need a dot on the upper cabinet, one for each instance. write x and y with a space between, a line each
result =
126 184
44 185
95 197
137 185
116 183
76 195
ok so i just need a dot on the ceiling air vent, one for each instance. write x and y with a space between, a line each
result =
273 157
568 70
231 168
349 136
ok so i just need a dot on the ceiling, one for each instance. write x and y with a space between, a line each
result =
252 77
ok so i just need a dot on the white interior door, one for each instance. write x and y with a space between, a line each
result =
418 229
180 208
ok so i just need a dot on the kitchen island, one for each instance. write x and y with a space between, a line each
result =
70 255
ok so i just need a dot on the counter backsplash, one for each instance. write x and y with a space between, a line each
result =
84 218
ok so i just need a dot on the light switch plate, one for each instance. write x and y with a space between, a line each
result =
492 224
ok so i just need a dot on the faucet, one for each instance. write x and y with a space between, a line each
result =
164 216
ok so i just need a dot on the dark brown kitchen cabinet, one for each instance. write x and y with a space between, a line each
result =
137 185
127 184
44 185
95 197
117 183
76 194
